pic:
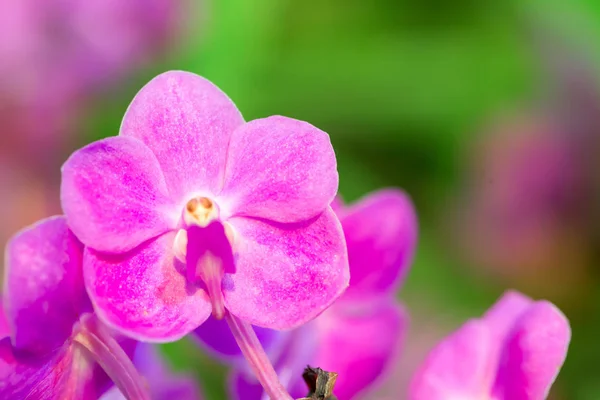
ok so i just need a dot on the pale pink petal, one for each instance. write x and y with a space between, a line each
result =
286 274
144 293
359 348
279 169
381 235
187 122
338 206
502 316
534 353
457 368
43 285
114 195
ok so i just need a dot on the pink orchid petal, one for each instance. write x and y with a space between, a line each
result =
60 375
187 122
381 235
338 206
43 286
502 315
4 324
286 274
144 293
279 169
457 368
114 195
369 344
534 353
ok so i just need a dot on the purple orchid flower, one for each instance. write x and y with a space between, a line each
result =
52 342
358 335
513 353
185 157
252 198
162 383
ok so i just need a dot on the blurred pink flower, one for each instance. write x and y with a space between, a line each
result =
528 207
513 353
53 52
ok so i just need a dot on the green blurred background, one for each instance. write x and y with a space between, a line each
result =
408 91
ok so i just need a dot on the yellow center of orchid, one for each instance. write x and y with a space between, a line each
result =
200 211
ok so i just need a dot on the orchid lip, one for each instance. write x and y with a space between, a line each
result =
208 256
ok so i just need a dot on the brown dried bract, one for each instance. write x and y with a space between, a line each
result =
320 383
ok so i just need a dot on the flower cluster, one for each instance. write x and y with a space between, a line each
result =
194 221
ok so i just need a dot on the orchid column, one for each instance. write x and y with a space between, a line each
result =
142 201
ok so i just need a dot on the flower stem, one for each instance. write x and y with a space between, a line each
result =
95 338
256 357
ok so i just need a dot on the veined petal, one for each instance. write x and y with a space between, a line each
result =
460 367
286 274
534 353
144 293
187 122
369 344
279 169
43 286
381 235
62 374
114 195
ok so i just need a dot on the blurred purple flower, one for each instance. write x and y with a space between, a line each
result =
52 340
529 206
163 384
359 334
185 157
53 51
44 298
513 353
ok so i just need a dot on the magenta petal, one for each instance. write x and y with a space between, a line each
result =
381 235
244 387
369 343
43 287
215 336
144 293
459 367
114 195
4 324
187 122
279 169
286 274
57 376
534 353
203 240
